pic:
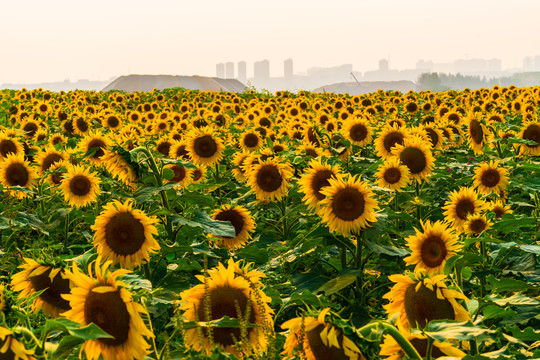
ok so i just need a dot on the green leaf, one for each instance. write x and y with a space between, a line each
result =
516 299
466 273
304 298
527 334
494 312
507 284
443 330
387 250
533 249
253 254
197 199
145 193
66 345
168 174
344 279
209 225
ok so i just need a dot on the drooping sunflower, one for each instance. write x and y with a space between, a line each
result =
313 338
349 205
316 177
431 247
499 208
418 298
476 224
269 179
124 234
240 218
531 132
182 176
101 298
416 155
461 203
238 160
80 186
393 175
358 131
11 348
389 137
95 144
231 291
479 135
120 169
179 151
16 171
9 145
35 277
393 351
204 148
490 177
48 157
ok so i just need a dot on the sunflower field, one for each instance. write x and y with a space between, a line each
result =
181 224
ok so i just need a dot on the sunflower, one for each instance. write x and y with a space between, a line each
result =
57 139
250 141
198 174
418 298
125 235
234 292
315 178
476 224
393 351
2 298
389 137
358 131
531 132
163 145
309 150
112 121
269 179
435 136
80 125
240 218
16 171
349 205
313 338
120 169
9 145
97 143
499 208
431 247
204 148
48 157
490 177
35 277
56 172
102 299
80 186
11 348
43 108
178 150
416 155
393 175
460 204
182 176
479 135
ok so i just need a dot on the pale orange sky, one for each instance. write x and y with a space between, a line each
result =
57 39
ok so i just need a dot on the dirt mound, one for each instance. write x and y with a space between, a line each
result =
366 87
131 83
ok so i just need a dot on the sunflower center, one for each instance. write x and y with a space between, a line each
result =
532 133
358 132
30 128
433 251
499 212
414 159
197 174
224 301
251 140
433 137
80 185
49 160
463 208
82 125
181 151
179 173
490 178
268 178
319 180
113 121
17 175
422 306
234 217
7 146
475 129
320 350
477 226
54 289
108 311
348 204
124 234
391 139
205 146
311 152
277 148
97 143
392 175
164 147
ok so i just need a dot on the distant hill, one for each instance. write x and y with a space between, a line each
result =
65 85
366 87
131 83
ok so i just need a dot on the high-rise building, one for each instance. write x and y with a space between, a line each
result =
220 70
262 70
383 65
242 71
229 70
288 69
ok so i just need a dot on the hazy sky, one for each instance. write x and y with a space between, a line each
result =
58 39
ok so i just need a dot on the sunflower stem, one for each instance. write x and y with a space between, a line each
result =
343 257
498 147
417 192
359 266
410 351
429 348
66 229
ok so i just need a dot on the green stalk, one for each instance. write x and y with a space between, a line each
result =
66 229
407 347
417 191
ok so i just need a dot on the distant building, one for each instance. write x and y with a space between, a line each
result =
288 68
229 70
220 70
383 65
242 71
262 70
